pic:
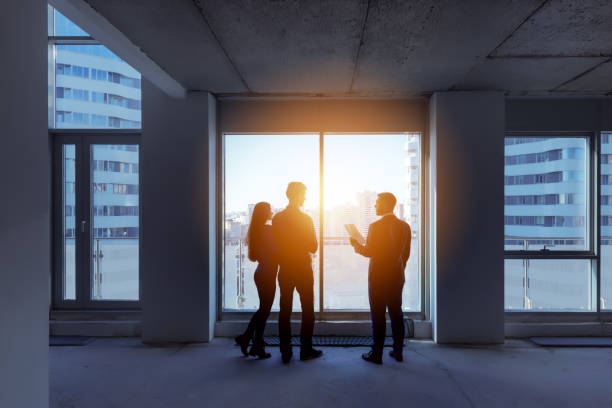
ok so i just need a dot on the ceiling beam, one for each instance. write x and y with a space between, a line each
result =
92 22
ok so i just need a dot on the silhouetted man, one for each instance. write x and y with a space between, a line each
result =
296 239
388 247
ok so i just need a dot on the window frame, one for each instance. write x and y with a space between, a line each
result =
593 228
323 314
54 40
83 139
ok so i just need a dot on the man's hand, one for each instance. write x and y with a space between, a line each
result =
354 242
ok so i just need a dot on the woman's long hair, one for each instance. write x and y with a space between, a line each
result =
254 238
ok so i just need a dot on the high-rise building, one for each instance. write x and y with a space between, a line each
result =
367 212
412 176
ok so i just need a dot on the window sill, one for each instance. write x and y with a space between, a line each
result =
232 328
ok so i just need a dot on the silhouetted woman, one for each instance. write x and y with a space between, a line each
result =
262 248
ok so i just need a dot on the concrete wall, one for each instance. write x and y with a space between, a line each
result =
25 205
177 279
322 115
467 138
562 114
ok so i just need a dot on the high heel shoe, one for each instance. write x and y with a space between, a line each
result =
243 342
259 352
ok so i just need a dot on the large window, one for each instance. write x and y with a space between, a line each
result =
353 168
89 86
548 223
96 175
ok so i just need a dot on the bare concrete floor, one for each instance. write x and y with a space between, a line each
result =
126 373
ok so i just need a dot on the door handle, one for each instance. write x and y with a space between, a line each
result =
83 225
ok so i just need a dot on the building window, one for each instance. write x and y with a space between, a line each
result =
340 274
77 95
107 222
547 218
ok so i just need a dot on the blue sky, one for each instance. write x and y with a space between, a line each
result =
258 167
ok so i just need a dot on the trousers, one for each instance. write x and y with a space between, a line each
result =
304 284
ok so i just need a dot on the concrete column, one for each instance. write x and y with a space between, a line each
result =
25 205
467 153
177 271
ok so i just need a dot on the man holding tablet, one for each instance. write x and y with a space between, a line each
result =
388 247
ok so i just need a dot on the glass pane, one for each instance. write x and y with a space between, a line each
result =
548 284
357 168
64 27
606 221
258 168
559 284
514 276
95 89
69 222
546 196
115 214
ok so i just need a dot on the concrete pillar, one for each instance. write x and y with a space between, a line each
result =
467 190
178 246
25 205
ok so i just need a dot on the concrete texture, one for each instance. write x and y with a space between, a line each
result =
25 206
596 80
428 46
322 115
94 24
124 372
368 48
559 114
467 137
177 285
175 36
526 74
290 46
562 28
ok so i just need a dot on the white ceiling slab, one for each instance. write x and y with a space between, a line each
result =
564 27
174 35
525 74
420 46
290 46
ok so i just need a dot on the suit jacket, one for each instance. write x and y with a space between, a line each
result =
296 240
388 247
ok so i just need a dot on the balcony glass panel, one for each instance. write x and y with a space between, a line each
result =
548 284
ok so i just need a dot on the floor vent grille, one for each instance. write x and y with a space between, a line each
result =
330 341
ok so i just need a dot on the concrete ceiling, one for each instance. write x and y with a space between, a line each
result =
373 47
